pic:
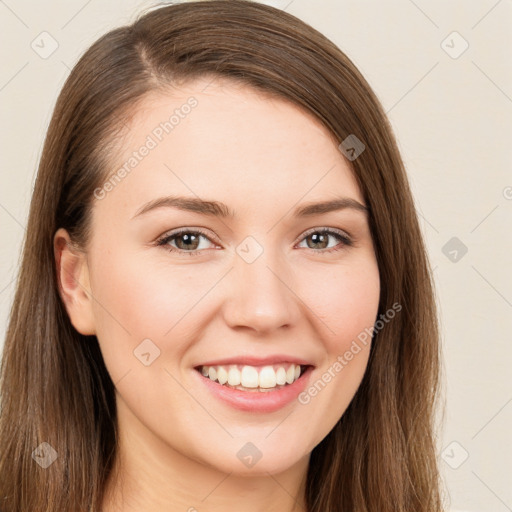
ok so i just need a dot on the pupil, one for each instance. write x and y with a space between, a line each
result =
188 240
318 238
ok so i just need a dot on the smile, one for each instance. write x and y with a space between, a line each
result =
255 385
254 378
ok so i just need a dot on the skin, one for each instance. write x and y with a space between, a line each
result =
262 157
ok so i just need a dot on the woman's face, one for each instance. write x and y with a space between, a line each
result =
260 286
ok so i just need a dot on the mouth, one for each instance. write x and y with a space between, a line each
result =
254 378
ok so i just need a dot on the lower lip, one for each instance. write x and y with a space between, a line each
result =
257 401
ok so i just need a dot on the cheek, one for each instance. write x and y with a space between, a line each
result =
347 305
345 299
135 301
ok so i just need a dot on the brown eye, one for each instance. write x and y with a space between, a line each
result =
187 241
184 241
319 240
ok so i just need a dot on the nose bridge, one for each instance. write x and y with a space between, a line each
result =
261 297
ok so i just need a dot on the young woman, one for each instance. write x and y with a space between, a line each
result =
224 301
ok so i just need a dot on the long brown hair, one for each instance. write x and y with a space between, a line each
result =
55 388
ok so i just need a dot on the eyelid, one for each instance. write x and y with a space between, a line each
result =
172 233
321 229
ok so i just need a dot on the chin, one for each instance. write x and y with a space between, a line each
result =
247 460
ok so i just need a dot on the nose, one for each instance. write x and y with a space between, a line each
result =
261 295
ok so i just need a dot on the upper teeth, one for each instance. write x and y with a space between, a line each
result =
253 376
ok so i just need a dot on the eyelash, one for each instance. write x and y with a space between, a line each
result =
346 241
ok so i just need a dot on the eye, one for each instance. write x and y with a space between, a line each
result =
320 240
186 240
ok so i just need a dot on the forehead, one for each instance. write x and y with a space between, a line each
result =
227 141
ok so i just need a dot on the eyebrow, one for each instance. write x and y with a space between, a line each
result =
218 209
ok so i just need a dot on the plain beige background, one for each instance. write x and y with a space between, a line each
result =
442 71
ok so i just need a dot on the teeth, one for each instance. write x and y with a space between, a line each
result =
265 377
222 375
290 374
233 376
249 377
281 376
268 377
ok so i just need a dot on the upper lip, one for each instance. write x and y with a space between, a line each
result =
257 361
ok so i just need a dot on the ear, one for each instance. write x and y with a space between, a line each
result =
73 282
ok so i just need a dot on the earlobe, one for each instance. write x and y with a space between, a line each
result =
73 282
